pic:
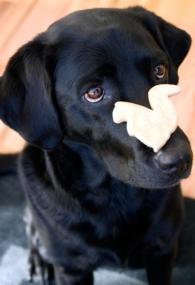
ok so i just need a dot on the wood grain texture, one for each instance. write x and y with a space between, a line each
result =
22 19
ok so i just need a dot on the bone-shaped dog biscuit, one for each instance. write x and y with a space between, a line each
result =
153 127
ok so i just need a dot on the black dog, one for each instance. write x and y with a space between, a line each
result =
97 196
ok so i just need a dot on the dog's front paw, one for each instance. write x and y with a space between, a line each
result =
38 267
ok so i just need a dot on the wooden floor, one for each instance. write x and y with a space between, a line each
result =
22 19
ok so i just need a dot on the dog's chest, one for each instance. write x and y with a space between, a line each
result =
102 227
106 236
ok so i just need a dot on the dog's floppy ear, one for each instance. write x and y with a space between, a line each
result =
176 42
26 97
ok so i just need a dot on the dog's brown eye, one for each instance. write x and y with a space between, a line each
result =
94 94
160 71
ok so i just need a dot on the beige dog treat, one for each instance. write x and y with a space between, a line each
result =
153 127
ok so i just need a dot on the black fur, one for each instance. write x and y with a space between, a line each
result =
96 196
8 163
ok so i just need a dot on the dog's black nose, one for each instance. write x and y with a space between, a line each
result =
175 157
172 163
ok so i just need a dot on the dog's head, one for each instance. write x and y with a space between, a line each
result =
64 84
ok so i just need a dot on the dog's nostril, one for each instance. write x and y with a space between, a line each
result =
169 163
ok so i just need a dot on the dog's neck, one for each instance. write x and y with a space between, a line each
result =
76 171
75 164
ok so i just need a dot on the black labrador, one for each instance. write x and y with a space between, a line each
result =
97 197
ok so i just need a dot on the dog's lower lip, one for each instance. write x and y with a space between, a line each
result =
167 181
165 185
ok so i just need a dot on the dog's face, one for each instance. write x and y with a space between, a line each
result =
64 84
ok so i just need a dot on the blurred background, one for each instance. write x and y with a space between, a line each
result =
21 20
